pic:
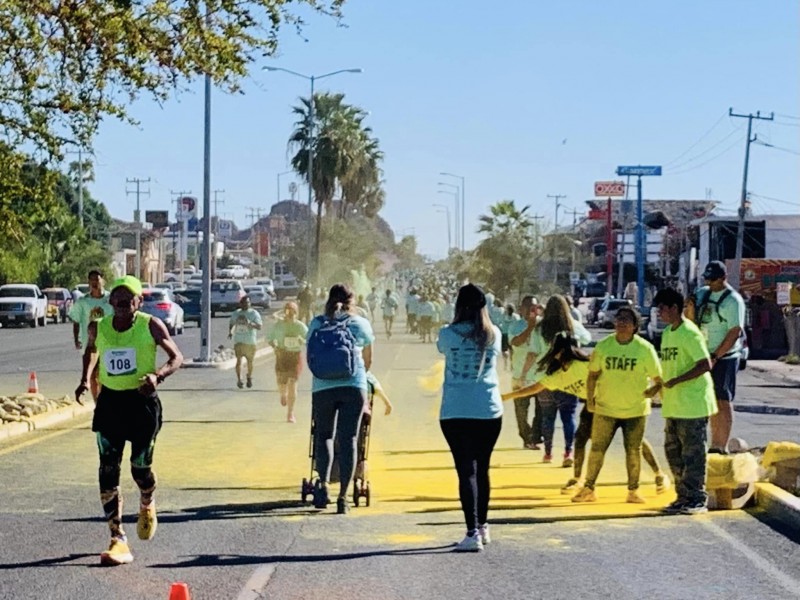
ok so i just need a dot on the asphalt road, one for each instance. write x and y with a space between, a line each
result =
232 524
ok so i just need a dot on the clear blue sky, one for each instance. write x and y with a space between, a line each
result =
525 98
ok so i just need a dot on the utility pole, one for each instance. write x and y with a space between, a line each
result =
217 202
137 218
556 197
734 280
255 236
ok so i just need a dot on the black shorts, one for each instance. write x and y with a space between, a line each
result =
127 415
724 375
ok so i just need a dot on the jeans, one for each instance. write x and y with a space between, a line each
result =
565 405
603 430
685 447
471 442
521 410
340 408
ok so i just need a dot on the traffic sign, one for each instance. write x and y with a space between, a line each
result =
639 170
608 189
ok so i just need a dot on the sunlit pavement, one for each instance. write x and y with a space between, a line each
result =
230 469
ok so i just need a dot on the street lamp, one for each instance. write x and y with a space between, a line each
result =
311 116
463 203
456 194
446 210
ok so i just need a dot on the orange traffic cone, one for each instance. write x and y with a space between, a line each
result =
33 383
179 591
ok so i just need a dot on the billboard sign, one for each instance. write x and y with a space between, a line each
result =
640 171
609 189
159 218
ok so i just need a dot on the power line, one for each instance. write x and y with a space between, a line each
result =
682 164
702 137
705 162
789 150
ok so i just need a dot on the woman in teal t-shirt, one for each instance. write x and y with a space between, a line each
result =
472 412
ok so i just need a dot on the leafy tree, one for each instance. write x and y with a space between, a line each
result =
505 257
64 66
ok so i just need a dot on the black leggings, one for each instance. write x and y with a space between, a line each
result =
341 408
471 442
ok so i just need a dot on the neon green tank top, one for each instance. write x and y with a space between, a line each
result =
124 357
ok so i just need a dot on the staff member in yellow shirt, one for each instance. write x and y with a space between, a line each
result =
128 407
688 400
620 371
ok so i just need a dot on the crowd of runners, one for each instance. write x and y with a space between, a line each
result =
541 344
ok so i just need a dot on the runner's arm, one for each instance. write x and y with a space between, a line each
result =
175 358
88 360
591 381
367 354
523 337
76 332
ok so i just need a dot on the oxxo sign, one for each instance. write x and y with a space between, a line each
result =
609 189
187 208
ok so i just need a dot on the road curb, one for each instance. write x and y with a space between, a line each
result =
223 365
45 420
779 504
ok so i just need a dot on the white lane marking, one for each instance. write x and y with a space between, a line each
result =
256 584
775 574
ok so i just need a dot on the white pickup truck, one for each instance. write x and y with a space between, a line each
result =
21 304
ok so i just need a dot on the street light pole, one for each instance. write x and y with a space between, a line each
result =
311 143
557 197
447 211
278 196
463 205
458 220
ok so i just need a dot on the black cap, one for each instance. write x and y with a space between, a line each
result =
715 270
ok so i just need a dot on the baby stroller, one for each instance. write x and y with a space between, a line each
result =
312 486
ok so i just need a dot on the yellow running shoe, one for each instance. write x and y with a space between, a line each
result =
118 553
148 521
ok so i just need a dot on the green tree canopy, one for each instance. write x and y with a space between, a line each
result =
64 66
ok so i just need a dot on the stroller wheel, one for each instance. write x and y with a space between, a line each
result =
305 490
356 492
366 493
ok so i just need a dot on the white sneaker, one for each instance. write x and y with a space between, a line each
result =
662 483
483 532
470 543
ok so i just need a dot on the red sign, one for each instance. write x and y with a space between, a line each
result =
609 189
597 214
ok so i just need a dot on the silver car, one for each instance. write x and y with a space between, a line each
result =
160 303
259 296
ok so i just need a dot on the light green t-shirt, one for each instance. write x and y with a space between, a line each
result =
288 335
518 353
681 348
242 334
626 371
572 381
717 321
87 309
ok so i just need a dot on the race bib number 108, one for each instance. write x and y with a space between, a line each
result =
120 361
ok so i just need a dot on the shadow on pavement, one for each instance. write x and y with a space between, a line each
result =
200 422
48 562
232 560
551 519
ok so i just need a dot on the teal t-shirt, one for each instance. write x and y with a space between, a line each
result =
506 320
362 332
718 320
471 387
242 332
86 310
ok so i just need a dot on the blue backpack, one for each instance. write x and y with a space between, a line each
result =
331 350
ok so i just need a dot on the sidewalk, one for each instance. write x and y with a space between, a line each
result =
777 370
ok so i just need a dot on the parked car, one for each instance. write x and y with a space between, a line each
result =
268 284
160 303
22 303
595 289
189 301
225 295
59 301
608 312
259 297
